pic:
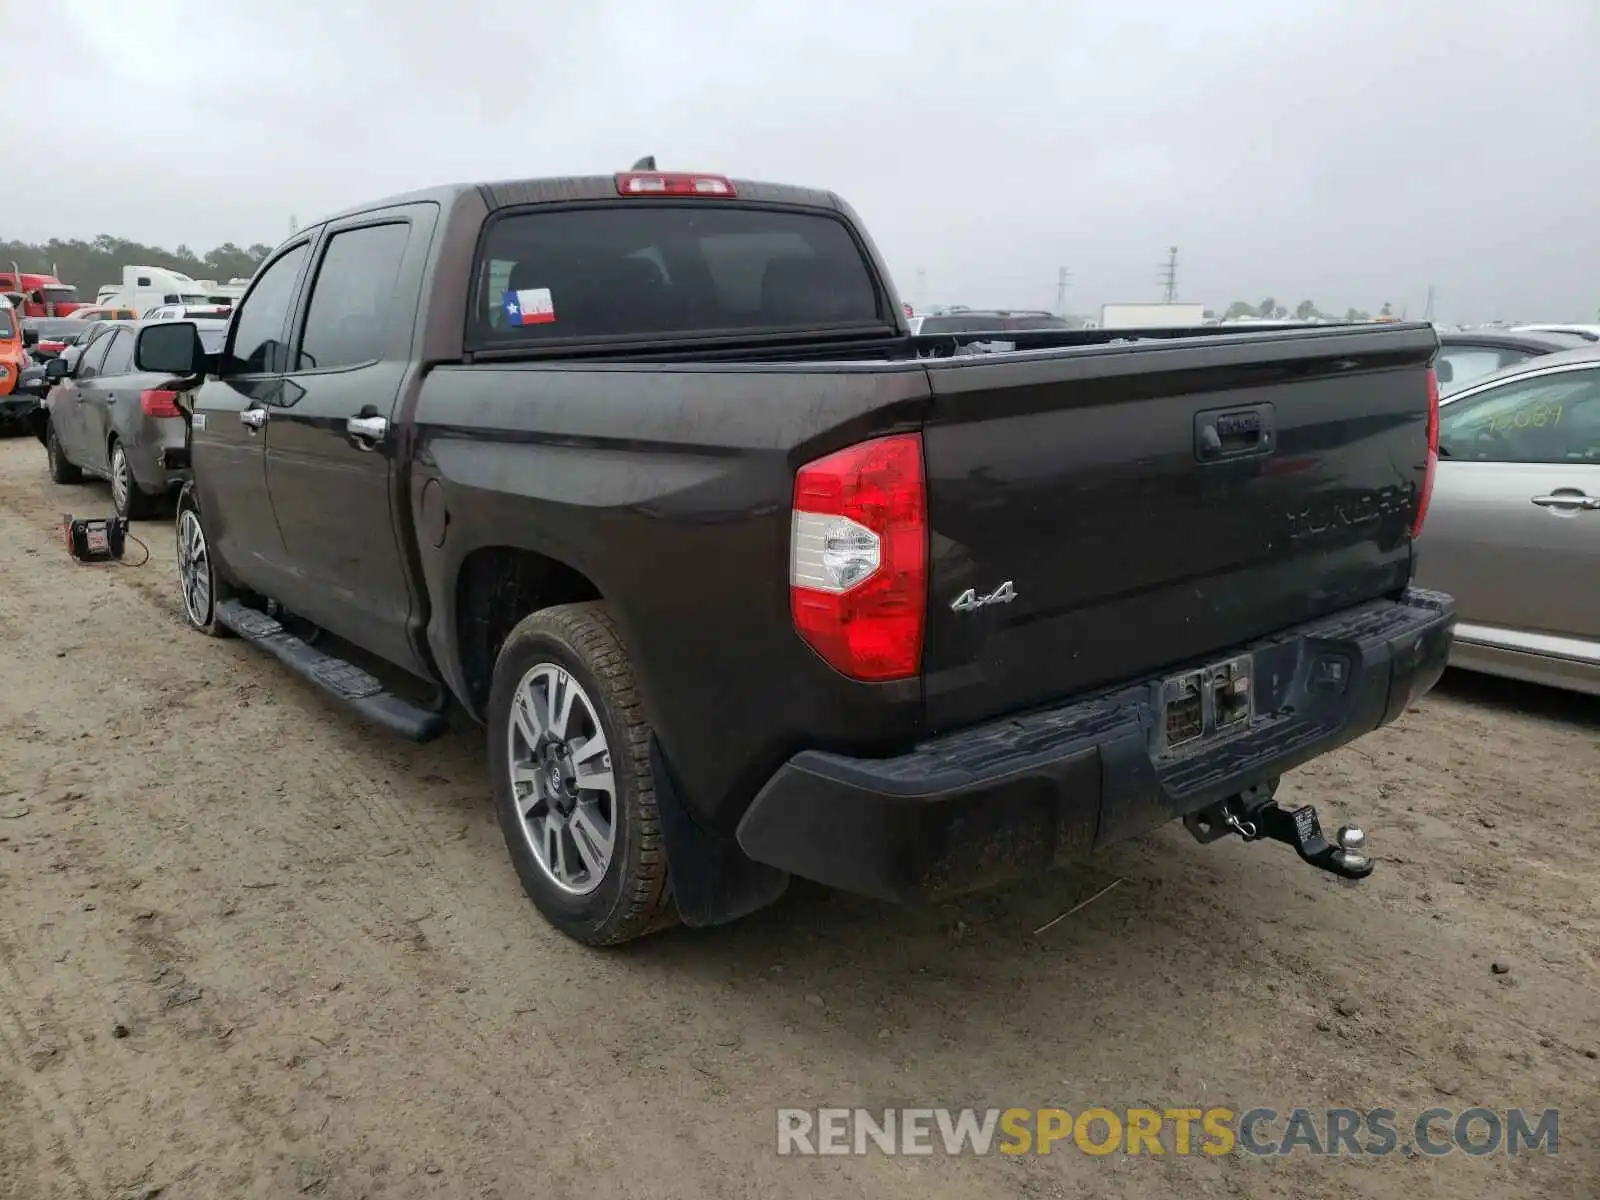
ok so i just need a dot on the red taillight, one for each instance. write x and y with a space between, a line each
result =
159 403
1432 468
858 558
672 183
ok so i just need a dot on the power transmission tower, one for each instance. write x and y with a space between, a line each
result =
1063 278
1427 310
294 224
1169 275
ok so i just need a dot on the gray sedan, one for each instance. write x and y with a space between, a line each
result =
1513 530
108 419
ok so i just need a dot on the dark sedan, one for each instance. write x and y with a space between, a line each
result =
1468 355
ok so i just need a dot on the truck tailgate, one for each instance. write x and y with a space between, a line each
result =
1102 514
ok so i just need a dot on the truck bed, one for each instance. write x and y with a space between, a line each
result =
1070 471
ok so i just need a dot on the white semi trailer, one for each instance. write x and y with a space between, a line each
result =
1151 316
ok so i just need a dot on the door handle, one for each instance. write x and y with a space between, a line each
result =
367 431
1572 499
253 418
1221 434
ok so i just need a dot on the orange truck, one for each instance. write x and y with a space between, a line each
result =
16 408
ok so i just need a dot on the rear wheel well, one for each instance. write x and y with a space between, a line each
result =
496 587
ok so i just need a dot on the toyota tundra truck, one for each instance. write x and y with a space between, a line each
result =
646 474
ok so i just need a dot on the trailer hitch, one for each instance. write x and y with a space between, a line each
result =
1253 818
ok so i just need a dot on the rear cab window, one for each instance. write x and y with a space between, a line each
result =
666 270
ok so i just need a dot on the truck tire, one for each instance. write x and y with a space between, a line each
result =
200 586
564 725
61 471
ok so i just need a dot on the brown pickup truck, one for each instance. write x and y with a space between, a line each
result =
647 474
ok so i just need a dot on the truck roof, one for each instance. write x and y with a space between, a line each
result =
509 193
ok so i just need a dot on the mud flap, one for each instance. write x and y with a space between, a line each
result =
713 880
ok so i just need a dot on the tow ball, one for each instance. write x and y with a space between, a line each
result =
1301 828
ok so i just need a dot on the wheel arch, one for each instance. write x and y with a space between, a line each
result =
495 587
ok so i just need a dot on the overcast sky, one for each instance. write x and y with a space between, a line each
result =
1343 151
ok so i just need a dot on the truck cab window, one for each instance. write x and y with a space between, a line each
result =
352 300
259 328
665 269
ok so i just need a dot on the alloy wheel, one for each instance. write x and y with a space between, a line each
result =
120 481
194 568
561 780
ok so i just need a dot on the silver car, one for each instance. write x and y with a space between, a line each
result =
1513 530
107 418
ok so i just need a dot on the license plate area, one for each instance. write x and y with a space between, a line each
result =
1202 706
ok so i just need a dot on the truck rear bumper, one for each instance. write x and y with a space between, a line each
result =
1011 798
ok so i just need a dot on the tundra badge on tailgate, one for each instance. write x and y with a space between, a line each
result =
970 601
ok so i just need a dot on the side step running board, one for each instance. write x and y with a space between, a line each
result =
342 680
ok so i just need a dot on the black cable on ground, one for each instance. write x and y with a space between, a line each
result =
125 563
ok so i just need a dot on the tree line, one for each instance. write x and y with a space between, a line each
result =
89 266
1306 310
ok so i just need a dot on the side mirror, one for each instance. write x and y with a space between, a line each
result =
1444 372
55 369
30 337
170 349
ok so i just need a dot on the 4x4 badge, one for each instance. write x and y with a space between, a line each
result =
970 601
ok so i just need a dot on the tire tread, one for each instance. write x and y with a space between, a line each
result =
62 470
645 904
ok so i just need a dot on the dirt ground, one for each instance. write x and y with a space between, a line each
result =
250 947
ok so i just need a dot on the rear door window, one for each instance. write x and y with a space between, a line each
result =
637 271
119 354
93 355
1552 418
353 298
1458 366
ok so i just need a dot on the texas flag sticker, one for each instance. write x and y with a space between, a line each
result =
530 306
